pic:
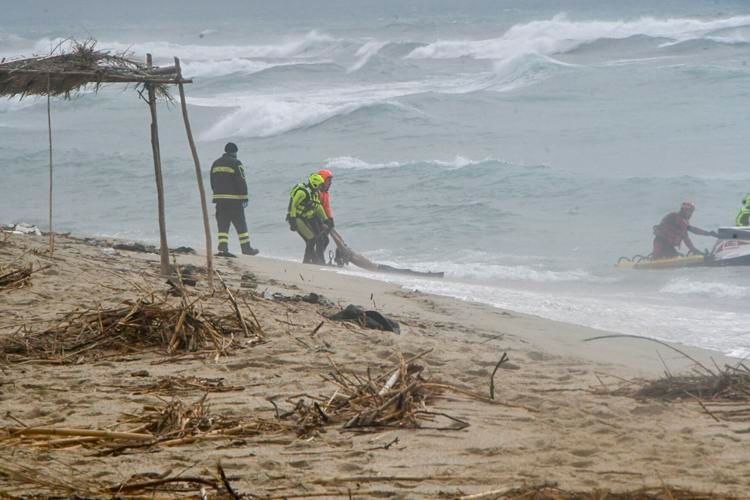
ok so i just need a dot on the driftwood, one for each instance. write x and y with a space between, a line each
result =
397 398
148 322
359 260
32 483
16 277
724 394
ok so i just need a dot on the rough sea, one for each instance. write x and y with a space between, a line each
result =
521 146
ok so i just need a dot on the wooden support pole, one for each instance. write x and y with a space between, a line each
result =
198 176
49 135
164 251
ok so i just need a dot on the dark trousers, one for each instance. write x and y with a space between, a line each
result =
231 213
312 231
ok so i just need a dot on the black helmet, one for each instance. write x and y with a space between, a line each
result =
230 148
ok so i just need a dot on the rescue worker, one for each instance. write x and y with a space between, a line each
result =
673 231
325 199
743 217
307 217
230 196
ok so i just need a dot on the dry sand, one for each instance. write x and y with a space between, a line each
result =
573 433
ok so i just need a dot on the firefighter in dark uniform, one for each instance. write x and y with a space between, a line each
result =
230 196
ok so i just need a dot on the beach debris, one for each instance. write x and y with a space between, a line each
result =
367 319
173 385
345 255
30 481
310 298
397 398
168 423
134 246
15 277
503 359
148 322
249 280
724 394
23 228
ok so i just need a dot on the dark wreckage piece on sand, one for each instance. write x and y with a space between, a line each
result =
347 255
368 319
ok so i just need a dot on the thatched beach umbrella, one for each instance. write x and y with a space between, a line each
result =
68 69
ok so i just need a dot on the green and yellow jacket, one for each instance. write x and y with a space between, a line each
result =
305 203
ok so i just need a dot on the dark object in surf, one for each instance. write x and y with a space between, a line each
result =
345 255
368 319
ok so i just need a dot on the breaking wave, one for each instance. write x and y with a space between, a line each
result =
365 53
684 286
560 35
349 162
212 69
311 44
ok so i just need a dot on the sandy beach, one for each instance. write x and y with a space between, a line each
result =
561 413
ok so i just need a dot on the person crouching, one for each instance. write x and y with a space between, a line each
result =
307 217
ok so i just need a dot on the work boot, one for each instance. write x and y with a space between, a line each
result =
309 257
248 250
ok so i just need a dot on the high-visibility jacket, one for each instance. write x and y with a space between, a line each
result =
305 203
228 179
743 218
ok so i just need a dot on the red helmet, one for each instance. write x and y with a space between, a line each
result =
325 174
687 206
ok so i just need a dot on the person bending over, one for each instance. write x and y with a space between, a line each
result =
673 231
307 217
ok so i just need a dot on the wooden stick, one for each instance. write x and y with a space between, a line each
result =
503 359
49 133
49 431
198 176
164 250
234 304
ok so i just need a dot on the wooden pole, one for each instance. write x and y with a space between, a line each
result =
164 251
198 176
49 135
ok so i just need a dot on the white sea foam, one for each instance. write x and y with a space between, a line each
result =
559 35
308 45
349 162
685 286
365 53
684 325
211 69
263 115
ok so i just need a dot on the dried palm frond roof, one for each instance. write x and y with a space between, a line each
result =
73 65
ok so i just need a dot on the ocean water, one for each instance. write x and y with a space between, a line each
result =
520 146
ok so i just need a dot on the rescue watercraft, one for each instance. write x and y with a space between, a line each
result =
731 249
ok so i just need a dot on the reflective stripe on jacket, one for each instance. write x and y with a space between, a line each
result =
228 179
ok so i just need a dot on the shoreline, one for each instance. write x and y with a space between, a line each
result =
568 338
557 417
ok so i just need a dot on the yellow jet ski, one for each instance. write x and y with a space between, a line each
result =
731 249
648 263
